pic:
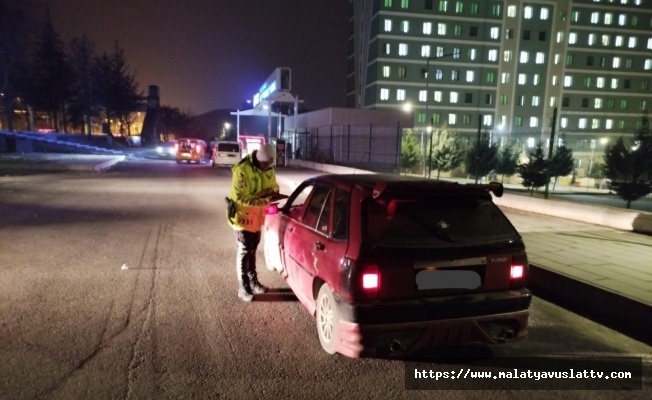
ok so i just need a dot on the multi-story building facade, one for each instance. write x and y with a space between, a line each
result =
505 66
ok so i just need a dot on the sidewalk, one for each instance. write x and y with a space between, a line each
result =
601 273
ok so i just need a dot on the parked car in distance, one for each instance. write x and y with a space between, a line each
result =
391 265
225 153
191 150
167 149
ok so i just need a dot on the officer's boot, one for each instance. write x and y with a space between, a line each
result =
256 287
244 287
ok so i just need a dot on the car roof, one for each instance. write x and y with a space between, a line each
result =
387 183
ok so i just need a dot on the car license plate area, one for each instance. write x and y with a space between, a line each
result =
454 275
448 279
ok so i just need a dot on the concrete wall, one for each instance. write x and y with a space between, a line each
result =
626 220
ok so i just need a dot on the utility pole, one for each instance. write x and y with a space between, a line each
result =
550 149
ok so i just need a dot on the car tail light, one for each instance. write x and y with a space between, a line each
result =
369 280
518 270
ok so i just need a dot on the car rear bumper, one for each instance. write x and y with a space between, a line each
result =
405 327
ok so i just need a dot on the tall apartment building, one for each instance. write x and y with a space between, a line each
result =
504 66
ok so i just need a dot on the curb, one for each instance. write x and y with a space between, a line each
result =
107 164
627 316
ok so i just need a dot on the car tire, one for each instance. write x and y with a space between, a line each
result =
327 318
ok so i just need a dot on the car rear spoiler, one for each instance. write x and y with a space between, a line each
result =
407 185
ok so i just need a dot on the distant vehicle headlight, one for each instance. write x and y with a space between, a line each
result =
159 149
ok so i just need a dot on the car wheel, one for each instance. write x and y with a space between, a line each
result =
328 319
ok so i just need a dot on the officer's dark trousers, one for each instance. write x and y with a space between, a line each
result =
247 244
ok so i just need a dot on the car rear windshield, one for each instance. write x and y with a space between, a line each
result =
230 147
434 220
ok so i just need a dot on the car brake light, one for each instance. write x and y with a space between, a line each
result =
517 272
370 279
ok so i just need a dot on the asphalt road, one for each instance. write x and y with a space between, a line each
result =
121 285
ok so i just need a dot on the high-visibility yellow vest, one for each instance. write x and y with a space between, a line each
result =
248 182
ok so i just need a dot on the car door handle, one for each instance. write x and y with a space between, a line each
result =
319 246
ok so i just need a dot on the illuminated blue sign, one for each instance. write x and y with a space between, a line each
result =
271 86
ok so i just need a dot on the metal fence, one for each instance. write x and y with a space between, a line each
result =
378 149
370 147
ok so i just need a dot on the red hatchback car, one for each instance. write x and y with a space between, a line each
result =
389 265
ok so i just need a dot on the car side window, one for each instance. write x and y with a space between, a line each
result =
297 202
317 214
341 215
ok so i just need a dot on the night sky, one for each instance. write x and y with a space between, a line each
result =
214 54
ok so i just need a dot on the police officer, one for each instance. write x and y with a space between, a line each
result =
254 181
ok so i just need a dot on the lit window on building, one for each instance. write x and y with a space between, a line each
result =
620 41
595 123
581 124
427 28
459 7
439 51
599 82
523 57
473 54
504 77
597 103
595 17
575 16
568 81
425 51
470 76
545 13
405 26
439 95
632 42
443 5
622 20
386 71
487 120
648 64
441 29
405 3
536 79
492 55
522 79
507 55
400 94
591 40
531 142
572 38
535 101
454 97
388 48
402 72
609 124
608 18
605 40
494 32
384 94
511 11
402 49
452 119
388 25
614 83
541 58
423 95
564 122
528 12
616 62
